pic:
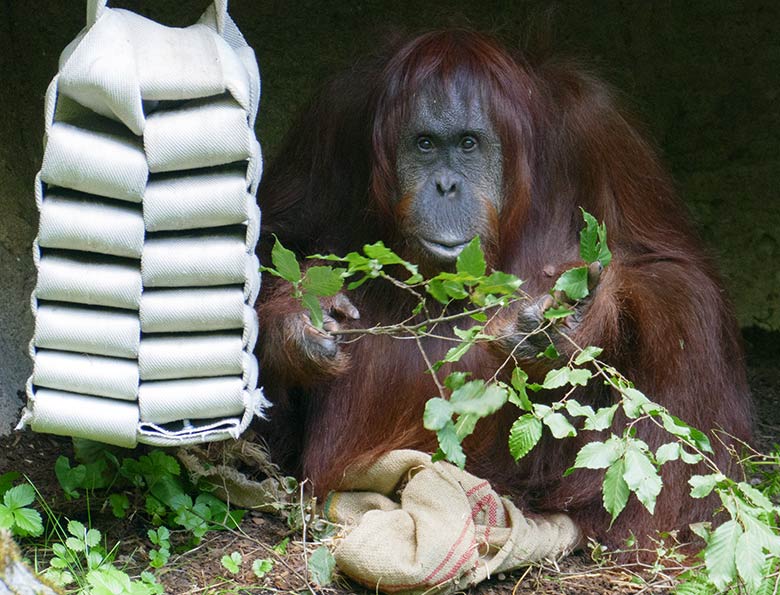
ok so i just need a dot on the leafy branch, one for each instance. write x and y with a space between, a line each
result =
740 553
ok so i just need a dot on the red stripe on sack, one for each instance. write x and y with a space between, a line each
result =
450 553
427 580
490 500
477 487
463 559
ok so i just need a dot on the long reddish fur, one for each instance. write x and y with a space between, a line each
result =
659 311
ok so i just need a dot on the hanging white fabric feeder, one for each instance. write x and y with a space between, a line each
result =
147 275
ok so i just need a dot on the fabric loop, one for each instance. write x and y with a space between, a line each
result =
84 280
62 413
195 201
170 400
181 310
87 374
194 261
95 9
89 224
188 356
201 133
102 332
95 162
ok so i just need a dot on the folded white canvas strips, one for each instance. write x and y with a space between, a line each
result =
145 326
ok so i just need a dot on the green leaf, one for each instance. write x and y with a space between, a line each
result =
749 558
589 238
382 254
281 547
519 380
157 465
455 380
605 256
262 567
321 566
312 303
633 402
465 424
614 489
19 496
120 504
455 290
456 353
92 537
524 435
437 413
667 452
232 562
471 261
593 241
559 425
574 409
468 334
28 521
285 262
700 440
499 283
677 427
689 458
574 283
159 558
436 289
602 420
476 398
77 529
358 283
449 443
323 281
6 517
74 544
7 480
550 352
587 355
693 583
556 378
763 533
579 376
756 497
598 455
70 479
642 476
720 554
558 313
702 485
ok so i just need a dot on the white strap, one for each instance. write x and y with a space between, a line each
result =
95 8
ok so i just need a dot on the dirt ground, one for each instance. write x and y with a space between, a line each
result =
200 571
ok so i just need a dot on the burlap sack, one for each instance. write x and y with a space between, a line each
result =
413 526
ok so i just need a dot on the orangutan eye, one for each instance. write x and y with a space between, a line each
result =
425 144
468 143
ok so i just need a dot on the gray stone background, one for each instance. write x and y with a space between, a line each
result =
704 75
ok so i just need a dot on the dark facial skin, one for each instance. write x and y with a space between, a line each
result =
450 173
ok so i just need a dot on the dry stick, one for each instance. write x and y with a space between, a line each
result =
305 553
434 375
395 329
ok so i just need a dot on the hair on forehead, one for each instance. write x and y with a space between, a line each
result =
441 64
